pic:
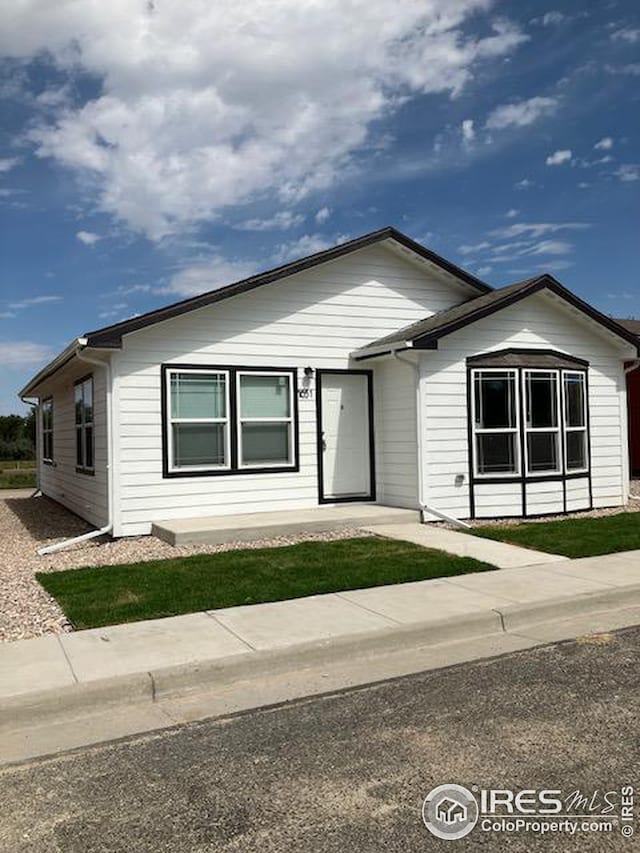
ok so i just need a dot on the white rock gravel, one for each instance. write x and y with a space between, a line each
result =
26 524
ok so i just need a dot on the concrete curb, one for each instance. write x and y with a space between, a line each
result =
40 707
518 616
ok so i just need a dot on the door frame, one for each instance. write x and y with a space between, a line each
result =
320 372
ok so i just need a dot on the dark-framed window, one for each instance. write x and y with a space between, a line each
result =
46 415
228 420
495 418
83 399
529 421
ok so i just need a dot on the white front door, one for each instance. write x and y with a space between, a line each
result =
345 438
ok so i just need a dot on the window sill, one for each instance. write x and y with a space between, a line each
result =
90 472
227 472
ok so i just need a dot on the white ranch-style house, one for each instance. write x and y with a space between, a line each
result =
372 371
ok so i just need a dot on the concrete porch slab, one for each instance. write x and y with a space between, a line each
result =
216 530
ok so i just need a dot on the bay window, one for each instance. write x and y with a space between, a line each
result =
529 422
228 420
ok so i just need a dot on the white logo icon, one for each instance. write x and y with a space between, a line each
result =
450 811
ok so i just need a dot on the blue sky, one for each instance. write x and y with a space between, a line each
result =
151 150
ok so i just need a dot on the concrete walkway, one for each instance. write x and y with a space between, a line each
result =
500 554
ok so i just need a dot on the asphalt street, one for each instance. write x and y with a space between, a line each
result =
349 772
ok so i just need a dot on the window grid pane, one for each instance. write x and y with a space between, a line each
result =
574 400
497 453
265 397
198 444
266 443
198 395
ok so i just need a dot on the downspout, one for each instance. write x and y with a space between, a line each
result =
423 506
93 534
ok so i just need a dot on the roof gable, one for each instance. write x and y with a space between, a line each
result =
111 336
426 333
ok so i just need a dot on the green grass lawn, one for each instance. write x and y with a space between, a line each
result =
108 595
573 537
15 479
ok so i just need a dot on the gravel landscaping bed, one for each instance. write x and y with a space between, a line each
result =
26 610
632 506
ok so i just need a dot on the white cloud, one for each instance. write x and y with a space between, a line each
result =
511 214
308 244
632 69
34 300
484 270
23 353
628 172
604 144
549 19
207 274
537 229
204 106
524 184
7 315
88 237
125 289
628 34
551 247
281 221
8 163
322 215
471 248
468 132
559 157
521 113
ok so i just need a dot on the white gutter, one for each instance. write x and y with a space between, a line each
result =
632 366
423 506
92 534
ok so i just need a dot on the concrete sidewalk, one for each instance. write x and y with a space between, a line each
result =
125 657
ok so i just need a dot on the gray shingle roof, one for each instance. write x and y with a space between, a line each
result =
632 325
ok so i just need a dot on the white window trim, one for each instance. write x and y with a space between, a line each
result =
483 431
583 429
527 371
240 420
171 420
48 401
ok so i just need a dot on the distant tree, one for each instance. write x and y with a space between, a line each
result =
18 436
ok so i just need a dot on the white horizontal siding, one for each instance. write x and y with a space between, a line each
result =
84 494
535 322
315 318
396 444
501 501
